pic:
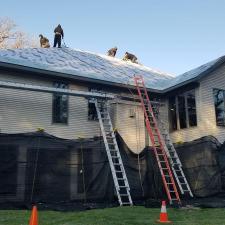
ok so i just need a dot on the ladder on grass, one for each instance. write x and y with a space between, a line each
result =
175 161
157 142
115 161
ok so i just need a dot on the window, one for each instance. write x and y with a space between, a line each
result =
92 113
191 109
172 113
182 111
60 105
219 106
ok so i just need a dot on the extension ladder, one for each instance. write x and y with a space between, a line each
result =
115 161
157 142
174 161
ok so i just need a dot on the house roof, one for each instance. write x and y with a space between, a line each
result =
83 64
194 74
97 67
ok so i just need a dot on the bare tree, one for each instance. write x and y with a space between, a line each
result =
11 37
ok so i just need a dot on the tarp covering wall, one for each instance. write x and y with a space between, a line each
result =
37 167
200 163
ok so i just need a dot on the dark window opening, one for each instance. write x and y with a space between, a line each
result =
92 113
172 113
182 111
60 105
219 107
191 109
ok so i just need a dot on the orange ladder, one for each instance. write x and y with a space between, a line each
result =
157 142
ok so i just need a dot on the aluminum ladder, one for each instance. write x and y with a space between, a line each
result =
115 161
175 161
157 143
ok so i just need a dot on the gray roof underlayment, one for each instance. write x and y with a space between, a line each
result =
77 63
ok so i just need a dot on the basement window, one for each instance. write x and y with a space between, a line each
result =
182 111
219 106
60 105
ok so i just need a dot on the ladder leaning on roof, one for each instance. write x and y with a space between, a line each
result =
115 161
157 142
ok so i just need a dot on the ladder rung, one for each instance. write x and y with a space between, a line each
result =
118 171
120 178
123 194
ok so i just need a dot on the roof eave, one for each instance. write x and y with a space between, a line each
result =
69 76
197 78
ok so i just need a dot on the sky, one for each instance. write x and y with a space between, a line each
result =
173 36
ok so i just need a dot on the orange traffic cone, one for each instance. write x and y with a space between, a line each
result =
34 216
163 214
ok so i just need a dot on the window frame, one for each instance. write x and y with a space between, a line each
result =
177 126
218 89
95 114
58 94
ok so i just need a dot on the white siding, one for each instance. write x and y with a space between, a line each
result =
205 110
131 129
25 111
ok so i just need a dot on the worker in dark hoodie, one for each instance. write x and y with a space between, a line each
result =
58 35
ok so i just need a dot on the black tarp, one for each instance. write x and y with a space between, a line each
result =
40 168
200 163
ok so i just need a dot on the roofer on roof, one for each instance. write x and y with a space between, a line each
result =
130 57
112 52
44 42
58 35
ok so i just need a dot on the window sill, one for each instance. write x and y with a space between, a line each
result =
183 129
60 124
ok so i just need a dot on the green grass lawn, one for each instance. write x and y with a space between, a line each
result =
116 216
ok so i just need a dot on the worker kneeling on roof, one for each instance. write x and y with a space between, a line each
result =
44 42
58 35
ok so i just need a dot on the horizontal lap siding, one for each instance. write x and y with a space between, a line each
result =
205 110
25 111
131 129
